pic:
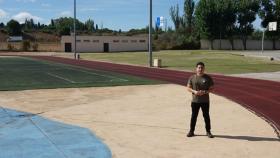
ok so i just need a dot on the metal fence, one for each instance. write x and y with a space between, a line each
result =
17 46
238 45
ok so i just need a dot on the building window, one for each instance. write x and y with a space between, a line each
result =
78 40
95 41
116 41
142 41
86 40
133 41
124 41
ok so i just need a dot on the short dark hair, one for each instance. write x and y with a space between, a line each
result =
200 63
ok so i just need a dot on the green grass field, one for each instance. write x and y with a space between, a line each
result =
18 73
216 61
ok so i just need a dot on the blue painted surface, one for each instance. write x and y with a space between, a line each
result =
23 135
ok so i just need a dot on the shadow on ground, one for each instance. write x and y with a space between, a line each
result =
247 138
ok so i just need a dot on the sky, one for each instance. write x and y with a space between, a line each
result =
113 14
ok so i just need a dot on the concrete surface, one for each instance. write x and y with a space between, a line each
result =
275 54
151 121
272 76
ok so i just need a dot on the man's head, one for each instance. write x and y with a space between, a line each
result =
200 68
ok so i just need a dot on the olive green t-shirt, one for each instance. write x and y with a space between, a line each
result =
197 83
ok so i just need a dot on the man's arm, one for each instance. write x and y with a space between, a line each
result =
211 86
199 93
209 90
189 88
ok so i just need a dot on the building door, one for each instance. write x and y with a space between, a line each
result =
68 47
106 47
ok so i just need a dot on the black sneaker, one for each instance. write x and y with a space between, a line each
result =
210 135
190 134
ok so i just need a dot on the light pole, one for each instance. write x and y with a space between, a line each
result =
75 38
150 34
263 39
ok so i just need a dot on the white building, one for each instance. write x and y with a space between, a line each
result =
104 43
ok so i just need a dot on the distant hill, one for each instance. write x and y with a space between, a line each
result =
39 36
34 36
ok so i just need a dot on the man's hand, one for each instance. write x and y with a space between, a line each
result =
200 92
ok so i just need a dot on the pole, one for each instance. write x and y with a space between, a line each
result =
263 40
165 23
220 40
150 34
75 38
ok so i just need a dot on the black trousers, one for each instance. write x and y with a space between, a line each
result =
205 111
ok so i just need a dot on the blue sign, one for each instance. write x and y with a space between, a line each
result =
158 22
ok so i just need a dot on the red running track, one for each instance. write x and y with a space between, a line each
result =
260 96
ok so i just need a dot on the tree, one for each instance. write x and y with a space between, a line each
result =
215 19
96 27
277 13
226 13
174 13
29 24
269 12
246 15
189 7
39 25
14 28
139 31
207 21
2 25
64 30
52 22
64 25
32 23
49 28
89 25
25 25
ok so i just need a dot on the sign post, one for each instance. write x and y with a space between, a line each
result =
161 22
263 39
272 26
150 34
75 37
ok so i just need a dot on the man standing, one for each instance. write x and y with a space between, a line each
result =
200 85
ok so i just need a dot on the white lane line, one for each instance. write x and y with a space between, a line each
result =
62 78
108 76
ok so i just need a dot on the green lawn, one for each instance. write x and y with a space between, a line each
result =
216 61
18 73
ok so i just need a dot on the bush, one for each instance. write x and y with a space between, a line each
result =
25 45
176 41
186 43
35 47
189 45
10 47
162 46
